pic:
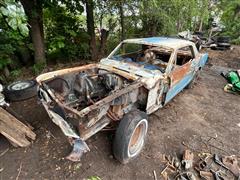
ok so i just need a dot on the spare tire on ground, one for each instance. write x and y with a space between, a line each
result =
20 90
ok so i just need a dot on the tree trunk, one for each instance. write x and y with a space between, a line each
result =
33 10
178 25
91 28
6 72
153 28
122 21
200 25
103 42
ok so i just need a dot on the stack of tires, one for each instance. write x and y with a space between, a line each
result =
221 43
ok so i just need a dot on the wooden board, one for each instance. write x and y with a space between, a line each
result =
14 130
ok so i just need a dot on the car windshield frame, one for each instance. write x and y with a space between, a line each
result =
163 48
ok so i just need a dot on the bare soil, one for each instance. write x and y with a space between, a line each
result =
203 119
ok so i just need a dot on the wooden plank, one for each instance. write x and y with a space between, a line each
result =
13 135
16 124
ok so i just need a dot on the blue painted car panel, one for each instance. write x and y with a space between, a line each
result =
203 60
173 91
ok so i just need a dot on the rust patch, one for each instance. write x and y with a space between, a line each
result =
177 74
109 98
115 112
119 72
50 75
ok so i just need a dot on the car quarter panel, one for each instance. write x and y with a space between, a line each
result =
203 60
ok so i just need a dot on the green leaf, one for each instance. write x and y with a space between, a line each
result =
60 44
4 11
24 29
13 23
94 178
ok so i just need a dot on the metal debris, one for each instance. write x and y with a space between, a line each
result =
208 167
206 175
187 159
231 163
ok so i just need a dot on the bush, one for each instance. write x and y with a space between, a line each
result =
236 41
38 68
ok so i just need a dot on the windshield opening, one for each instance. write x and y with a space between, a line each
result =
151 57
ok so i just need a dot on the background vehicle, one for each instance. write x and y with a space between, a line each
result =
137 78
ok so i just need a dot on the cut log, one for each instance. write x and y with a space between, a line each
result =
14 130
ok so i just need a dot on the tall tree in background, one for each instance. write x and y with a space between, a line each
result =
231 19
91 28
121 14
34 12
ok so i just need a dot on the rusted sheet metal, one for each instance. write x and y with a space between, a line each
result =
109 98
96 114
51 75
87 133
179 72
131 70
102 103
119 72
117 111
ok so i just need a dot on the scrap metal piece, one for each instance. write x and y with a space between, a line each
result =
232 163
206 175
219 162
187 159
191 176
217 175
58 120
79 148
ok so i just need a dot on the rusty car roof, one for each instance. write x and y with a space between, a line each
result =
169 42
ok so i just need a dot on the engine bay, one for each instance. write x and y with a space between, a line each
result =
81 89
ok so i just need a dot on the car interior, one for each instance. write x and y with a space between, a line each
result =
151 57
184 55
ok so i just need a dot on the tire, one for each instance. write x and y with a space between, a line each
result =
21 90
223 39
130 136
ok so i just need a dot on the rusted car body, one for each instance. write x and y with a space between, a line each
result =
84 100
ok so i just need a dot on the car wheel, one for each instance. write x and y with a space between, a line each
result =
130 136
20 90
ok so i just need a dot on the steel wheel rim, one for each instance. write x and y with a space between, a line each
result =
20 85
137 138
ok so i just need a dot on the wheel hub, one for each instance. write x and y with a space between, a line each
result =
20 86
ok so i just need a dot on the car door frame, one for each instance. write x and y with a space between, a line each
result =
180 76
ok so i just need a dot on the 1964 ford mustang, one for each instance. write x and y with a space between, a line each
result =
137 78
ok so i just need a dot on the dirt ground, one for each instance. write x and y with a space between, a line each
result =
204 119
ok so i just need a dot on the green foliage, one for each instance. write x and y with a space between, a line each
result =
15 17
38 68
9 41
15 73
231 19
236 41
12 31
65 34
